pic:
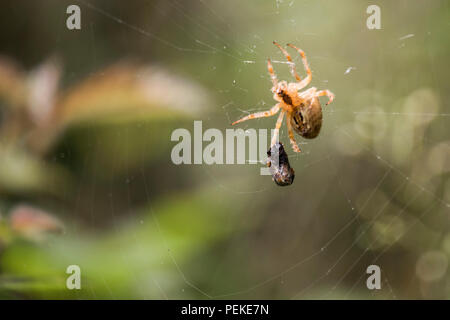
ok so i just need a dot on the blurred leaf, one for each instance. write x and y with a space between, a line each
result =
33 223
123 94
147 250
43 85
12 84
21 172
131 91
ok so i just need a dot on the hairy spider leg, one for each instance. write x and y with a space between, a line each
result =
326 93
308 94
291 64
308 78
272 74
291 134
261 114
277 128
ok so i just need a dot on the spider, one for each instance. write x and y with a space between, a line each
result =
302 109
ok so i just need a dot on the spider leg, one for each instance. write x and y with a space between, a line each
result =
291 135
272 73
309 93
292 64
326 93
261 114
308 78
277 128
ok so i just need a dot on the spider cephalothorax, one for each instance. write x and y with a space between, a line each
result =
303 110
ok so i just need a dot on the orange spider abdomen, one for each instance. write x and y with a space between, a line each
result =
307 119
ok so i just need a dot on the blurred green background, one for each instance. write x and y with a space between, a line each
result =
86 176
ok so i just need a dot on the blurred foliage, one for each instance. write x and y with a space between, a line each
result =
86 178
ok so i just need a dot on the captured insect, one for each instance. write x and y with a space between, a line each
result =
278 163
302 109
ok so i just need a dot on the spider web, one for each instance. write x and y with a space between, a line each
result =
337 272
